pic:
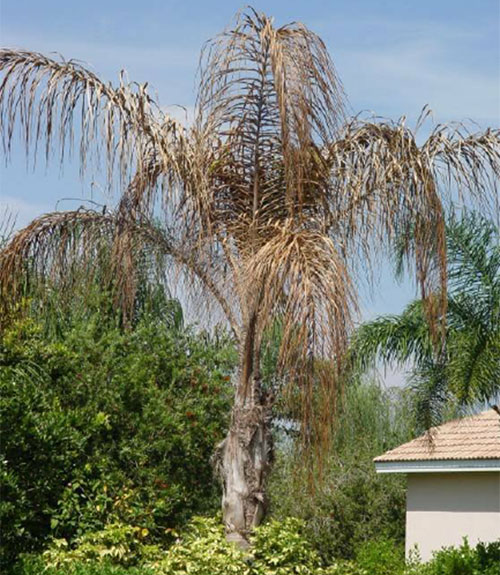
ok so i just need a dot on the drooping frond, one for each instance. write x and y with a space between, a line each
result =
85 246
382 179
467 163
384 188
389 188
47 249
301 277
53 101
198 268
269 101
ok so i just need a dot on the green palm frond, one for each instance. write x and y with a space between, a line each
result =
474 256
395 340
469 370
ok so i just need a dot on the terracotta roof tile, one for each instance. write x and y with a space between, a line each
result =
475 437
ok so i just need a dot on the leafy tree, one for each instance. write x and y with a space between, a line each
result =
468 370
99 425
268 203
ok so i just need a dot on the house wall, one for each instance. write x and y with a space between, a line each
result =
443 508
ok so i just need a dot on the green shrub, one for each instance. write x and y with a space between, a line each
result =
34 565
115 544
280 548
202 550
484 559
277 549
99 425
488 556
381 557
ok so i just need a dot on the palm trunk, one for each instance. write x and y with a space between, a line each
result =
244 457
244 466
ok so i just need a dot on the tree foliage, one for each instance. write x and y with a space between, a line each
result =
99 425
468 369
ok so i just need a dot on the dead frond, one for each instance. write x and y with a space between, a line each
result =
301 277
385 186
47 99
269 101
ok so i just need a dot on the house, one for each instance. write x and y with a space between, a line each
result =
453 483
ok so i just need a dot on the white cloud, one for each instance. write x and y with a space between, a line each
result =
423 63
169 69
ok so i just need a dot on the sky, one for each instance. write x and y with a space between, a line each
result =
393 56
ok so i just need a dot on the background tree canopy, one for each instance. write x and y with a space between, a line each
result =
467 370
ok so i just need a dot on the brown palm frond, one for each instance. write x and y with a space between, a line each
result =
47 249
384 188
49 98
269 100
381 163
467 162
387 186
301 276
63 247
197 267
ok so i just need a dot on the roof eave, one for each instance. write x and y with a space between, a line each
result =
437 466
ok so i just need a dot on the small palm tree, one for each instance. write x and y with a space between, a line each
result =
469 369
270 203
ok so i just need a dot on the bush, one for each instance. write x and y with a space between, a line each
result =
280 548
99 425
34 565
116 543
203 550
484 559
382 557
277 549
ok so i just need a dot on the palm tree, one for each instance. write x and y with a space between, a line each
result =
469 370
269 203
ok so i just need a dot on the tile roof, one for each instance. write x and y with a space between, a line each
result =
475 437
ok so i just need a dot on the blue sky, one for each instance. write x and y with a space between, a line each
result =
394 56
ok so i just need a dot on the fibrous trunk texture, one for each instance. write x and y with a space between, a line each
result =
244 461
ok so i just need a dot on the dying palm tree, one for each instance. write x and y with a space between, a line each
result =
469 371
269 202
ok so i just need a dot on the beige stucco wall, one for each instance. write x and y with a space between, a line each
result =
442 508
